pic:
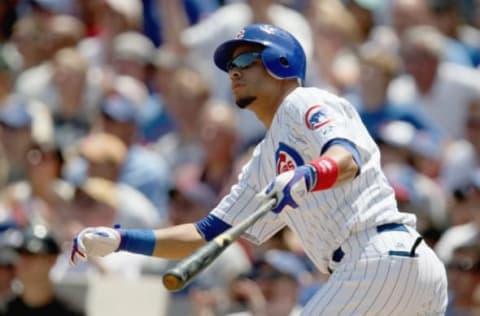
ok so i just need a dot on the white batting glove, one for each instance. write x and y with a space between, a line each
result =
290 187
94 242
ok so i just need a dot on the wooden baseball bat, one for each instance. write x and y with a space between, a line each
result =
177 277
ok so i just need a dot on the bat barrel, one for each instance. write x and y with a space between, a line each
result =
179 276
173 281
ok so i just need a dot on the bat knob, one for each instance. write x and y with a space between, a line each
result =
172 282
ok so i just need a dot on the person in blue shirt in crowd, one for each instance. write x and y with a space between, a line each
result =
194 9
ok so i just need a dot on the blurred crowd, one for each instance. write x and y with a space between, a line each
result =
113 113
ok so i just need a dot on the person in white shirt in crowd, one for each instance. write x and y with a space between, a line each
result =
409 13
441 90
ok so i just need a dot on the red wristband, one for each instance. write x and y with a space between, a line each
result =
327 173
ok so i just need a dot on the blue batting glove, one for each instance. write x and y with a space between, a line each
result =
290 187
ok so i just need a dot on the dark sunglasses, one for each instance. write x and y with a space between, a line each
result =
243 60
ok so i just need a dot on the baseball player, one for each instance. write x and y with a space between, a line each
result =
319 162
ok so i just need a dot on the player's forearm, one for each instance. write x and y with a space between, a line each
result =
347 167
177 242
174 242
335 167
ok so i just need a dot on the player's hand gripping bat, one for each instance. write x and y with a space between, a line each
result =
176 278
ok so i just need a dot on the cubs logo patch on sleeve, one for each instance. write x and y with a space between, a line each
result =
316 117
287 158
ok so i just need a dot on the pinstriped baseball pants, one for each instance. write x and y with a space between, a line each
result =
376 276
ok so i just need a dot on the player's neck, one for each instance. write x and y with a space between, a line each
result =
266 106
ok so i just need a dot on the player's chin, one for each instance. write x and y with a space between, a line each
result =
243 102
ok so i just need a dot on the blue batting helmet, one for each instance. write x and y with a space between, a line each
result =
283 56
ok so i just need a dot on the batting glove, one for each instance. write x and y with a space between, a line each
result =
94 242
290 187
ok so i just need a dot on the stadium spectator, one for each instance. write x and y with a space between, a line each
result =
436 87
38 251
72 94
108 19
143 169
22 122
154 119
463 272
132 53
8 259
447 19
105 156
366 14
220 140
411 13
379 67
335 34
31 201
185 99
457 235
272 287
407 13
463 156
153 12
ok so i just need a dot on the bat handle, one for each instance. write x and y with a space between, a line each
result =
176 278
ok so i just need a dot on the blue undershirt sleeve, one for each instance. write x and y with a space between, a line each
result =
211 226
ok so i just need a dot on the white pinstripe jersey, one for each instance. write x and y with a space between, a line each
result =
306 120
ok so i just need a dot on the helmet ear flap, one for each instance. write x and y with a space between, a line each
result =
276 63
283 61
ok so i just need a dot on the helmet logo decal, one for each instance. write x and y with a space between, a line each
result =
268 29
287 158
316 117
240 34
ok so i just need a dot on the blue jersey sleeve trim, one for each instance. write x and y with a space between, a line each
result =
211 226
348 145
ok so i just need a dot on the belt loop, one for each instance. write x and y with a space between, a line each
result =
338 255
415 245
